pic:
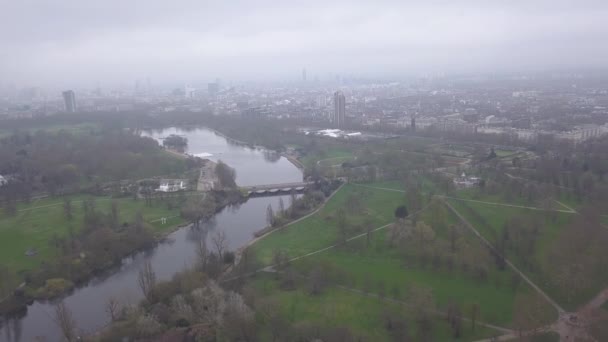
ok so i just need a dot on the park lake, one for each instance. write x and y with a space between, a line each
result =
177 252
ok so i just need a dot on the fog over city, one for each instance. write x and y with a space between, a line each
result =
71 43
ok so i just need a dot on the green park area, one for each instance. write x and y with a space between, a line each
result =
36 226
365 314
369 270
75 128
545 245
328 157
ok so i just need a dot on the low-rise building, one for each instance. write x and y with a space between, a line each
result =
172 185
466 182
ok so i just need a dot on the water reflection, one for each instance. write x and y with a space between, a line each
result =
177 251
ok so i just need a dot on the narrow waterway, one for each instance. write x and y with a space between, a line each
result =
253 166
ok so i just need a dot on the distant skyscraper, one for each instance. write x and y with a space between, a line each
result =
339 118
304 74
413 123
69 99
213 88
189 92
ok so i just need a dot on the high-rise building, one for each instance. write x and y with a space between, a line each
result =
69 99
213 88
304 74
413 123
339 118
189 92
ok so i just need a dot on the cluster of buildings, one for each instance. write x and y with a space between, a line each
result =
569 107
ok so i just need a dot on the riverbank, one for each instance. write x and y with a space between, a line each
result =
265 232
16 303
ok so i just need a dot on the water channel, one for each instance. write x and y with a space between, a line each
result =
87 303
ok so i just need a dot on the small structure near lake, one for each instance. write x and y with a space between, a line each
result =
466 182
172 185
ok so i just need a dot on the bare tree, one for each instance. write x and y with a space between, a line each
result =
474 314
114 214
270 215
342 223
67 208
139 221
220 242
201 249
146 279
225 174
368 224
65 322
281 207
113 308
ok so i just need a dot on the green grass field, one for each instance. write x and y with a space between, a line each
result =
337 155
72 128
495 217
489 220
379 264
336 307
36 224
319 231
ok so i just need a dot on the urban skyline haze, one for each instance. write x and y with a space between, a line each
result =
73 43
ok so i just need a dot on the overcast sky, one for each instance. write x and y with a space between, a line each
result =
80 42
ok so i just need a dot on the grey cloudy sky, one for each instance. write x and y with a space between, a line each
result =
84 41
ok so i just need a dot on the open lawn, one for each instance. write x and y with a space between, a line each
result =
35 225
505 153
329 157
489 220
479 195
364 315
320 230
72 128
378 267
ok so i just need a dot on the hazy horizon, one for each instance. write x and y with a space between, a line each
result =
73 43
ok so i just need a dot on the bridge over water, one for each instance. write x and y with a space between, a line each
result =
267 189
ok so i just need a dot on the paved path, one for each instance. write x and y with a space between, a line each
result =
377 187
271 267
559 309
569 211
565 206
538 182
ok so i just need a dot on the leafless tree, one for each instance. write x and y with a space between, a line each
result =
270 215
281 207
65 322
474 314
67 208
201 248
146 279
113 308
220 242
114 214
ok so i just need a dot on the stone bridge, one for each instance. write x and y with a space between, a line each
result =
268 189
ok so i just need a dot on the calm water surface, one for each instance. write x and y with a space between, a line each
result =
253 166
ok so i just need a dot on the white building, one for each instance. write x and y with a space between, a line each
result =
172 185
466 182
582 133
2 180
